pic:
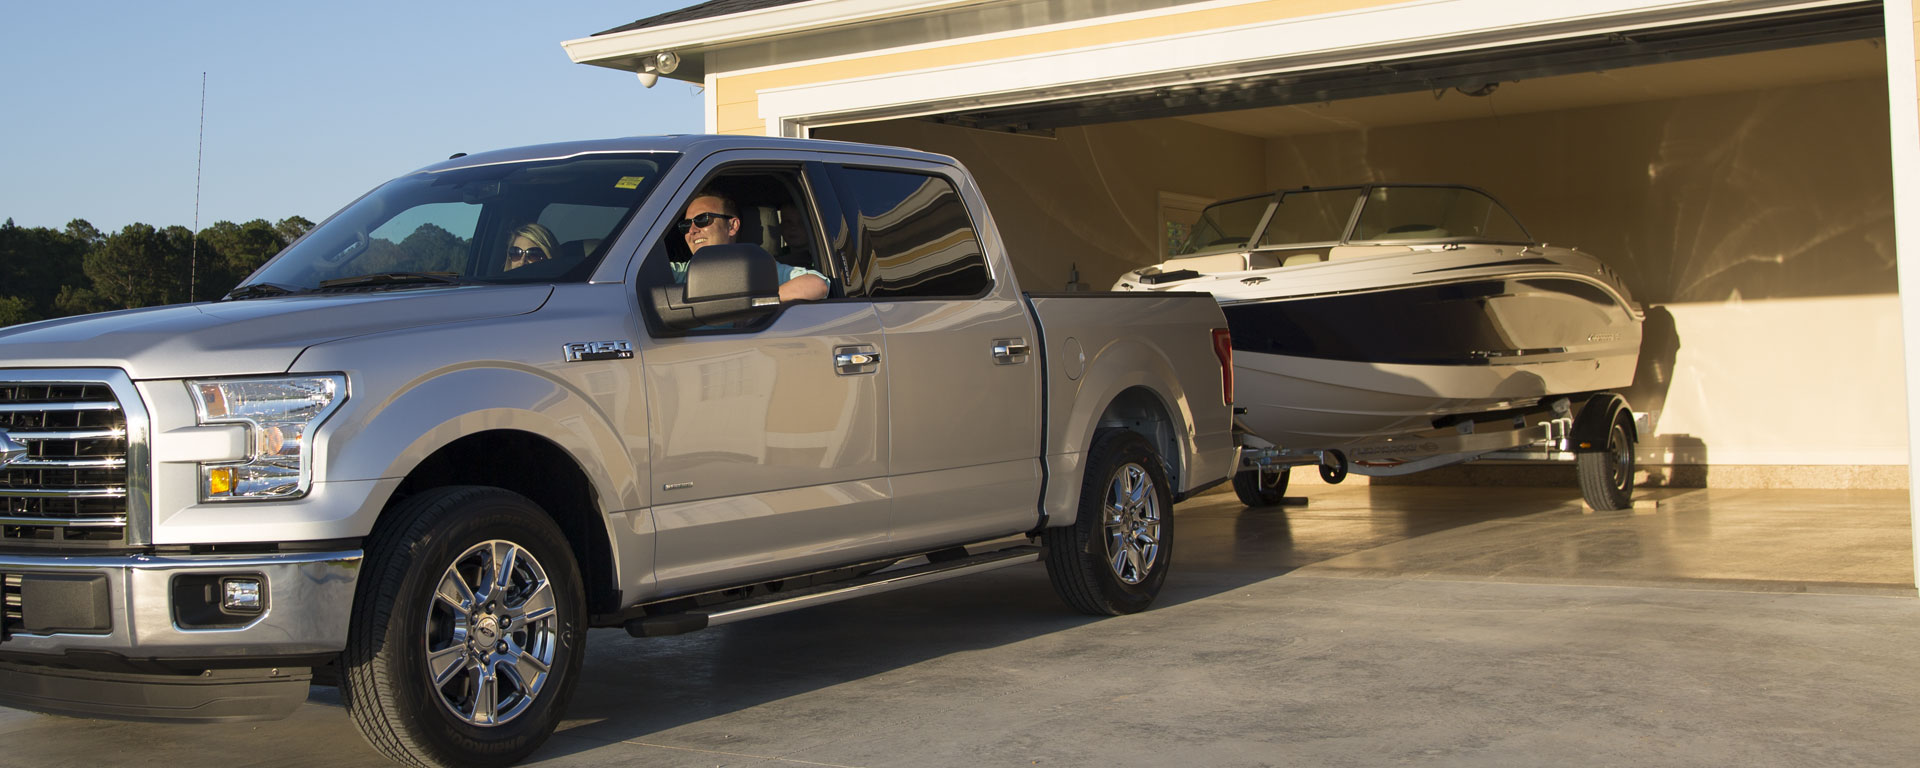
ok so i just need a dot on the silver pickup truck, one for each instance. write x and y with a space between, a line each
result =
515 395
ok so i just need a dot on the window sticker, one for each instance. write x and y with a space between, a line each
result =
629 182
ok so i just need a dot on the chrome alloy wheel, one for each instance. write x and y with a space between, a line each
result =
1133 524
491 633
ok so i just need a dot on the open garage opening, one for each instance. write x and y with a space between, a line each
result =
1746 199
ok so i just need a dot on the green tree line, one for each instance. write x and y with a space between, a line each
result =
47 273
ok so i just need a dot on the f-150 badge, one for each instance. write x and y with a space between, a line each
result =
583 351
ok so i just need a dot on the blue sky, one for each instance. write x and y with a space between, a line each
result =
308 105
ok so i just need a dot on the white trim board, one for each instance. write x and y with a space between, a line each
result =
1425 27
1903 101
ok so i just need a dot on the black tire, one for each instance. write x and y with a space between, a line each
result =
1606 476
448 539
1112 561
1260 488
1334 468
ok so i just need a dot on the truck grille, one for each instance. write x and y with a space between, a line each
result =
11 609
69 488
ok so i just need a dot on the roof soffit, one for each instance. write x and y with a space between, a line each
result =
692 38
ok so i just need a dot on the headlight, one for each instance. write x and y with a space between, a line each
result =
281 414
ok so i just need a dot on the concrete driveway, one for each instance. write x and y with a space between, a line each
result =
1382 626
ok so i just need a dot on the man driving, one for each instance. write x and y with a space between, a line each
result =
713 219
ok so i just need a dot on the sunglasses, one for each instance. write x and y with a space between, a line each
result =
702 221
535 253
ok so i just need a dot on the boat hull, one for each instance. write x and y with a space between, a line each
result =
1374 311
1319 372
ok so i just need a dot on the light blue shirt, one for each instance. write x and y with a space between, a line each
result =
784 271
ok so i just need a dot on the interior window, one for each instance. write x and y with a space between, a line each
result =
916 239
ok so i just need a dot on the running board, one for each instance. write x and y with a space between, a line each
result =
806 597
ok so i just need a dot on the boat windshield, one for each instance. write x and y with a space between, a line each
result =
1311 216
1434 213
1226 226
534 221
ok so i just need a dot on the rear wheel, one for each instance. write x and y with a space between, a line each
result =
1606 476
1114 557
468 630
1261 487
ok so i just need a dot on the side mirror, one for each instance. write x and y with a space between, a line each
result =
725 283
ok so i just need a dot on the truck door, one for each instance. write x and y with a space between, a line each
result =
769 442
961 359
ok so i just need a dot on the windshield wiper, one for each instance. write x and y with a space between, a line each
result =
257 290
394 278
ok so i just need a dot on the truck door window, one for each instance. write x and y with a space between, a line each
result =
915 238
761 206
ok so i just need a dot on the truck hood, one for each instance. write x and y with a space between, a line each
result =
246 337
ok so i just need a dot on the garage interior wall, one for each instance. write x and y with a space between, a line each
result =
1755 226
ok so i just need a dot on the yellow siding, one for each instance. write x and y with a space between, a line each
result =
740 117
745 89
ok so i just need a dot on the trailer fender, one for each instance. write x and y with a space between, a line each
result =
1595 418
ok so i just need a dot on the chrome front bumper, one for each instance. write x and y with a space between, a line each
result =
309 605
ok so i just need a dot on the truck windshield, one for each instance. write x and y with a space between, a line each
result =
534 221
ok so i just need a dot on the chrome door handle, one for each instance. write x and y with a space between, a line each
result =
855 360
1008 349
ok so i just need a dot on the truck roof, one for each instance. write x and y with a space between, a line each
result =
689 144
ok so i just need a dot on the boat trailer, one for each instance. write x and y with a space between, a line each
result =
1596 431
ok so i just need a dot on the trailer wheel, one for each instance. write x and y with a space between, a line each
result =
1114 557
1606 476
1259 487
468 630
1333 468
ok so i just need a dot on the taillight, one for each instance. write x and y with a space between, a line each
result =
1223 349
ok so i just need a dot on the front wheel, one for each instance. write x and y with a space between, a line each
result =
1114 557
468 630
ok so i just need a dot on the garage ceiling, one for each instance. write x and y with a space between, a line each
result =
1833 62
1796 46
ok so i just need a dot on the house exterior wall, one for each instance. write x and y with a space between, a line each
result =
736 95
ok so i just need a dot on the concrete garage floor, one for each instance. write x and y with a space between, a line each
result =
1371 626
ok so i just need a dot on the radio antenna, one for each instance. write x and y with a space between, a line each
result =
200 154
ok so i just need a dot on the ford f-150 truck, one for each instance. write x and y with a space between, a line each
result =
515 395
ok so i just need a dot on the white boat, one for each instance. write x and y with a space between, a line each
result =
1392 311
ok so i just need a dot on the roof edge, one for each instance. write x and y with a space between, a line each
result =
719 31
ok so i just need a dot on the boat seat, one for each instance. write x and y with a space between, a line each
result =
1297 259
1207 265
